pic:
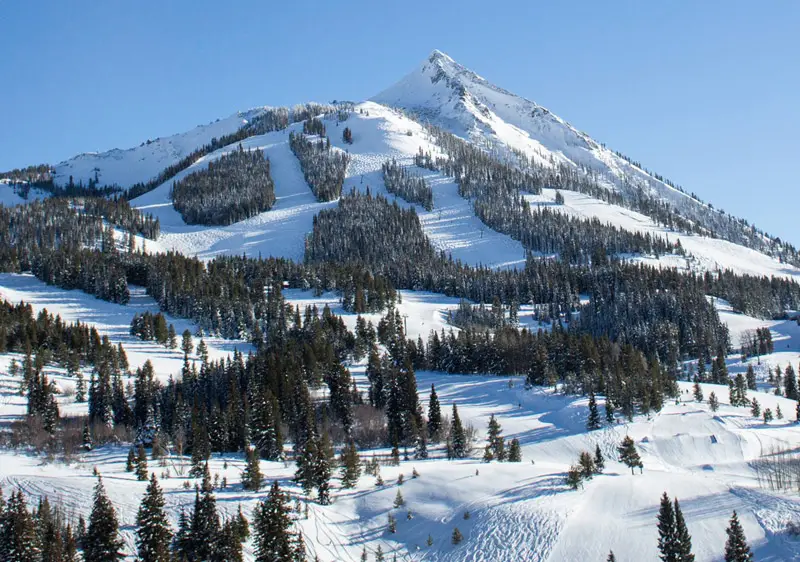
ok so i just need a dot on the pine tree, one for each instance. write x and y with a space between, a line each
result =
683 540
458 437
755 408
102 542
251 476
713 403
609 410
751 378
141 463
599 461
205 523
736 547
495 438
697 392
574 479
434 416
593 421
398 500
629 455
272 537
611 557
18 537
456 537
790 383
514 451
130 463
153 535
351 466
586 464
767 415
667 543
778 412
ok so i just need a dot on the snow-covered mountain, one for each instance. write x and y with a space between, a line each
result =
144 162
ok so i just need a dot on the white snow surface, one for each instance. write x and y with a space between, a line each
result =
144 162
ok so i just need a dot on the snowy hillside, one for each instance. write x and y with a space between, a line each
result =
127 167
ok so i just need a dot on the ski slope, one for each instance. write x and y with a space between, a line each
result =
379 134
144 162
704 253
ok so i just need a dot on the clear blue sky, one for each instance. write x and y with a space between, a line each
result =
705 93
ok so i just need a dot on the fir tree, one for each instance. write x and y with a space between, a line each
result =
514 451
790 383
495 438
587 466
751 378
573 479
697 392
456 537
767 415
130 463
458 437
667 534
102 542
205 524
141 463
628 454
434 415
683 539
736 547
713 403
611 557
398 500
599 461
18 537
351 466
593 421
609 410
755 408
153 533
251 476
272 537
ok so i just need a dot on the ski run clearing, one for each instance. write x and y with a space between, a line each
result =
515 511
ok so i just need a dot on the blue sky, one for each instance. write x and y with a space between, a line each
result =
705 93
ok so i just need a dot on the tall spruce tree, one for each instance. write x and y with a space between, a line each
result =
153 533
458 436
496 441
251 476
18 537
434 416
628 454
667 545
102 542
272 537
593 422
736 547
683 540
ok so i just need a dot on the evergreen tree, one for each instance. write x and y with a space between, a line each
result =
593 421
456 537
153 533
496 443
667 531
628 454
574 479
18 537
713 403
351 466
755 408
398 500
751 378
609 410
514 451
790 383
697 392
599 461
204 527
130 463
736 547
683 540
141 463
587 466
434 416
102 542
611 557
272 537
251 476
767 415
458 437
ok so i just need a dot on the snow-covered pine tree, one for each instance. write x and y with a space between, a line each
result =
102 542
251 476
153 533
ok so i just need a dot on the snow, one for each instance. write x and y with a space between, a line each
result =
112 320
379 134
144 162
